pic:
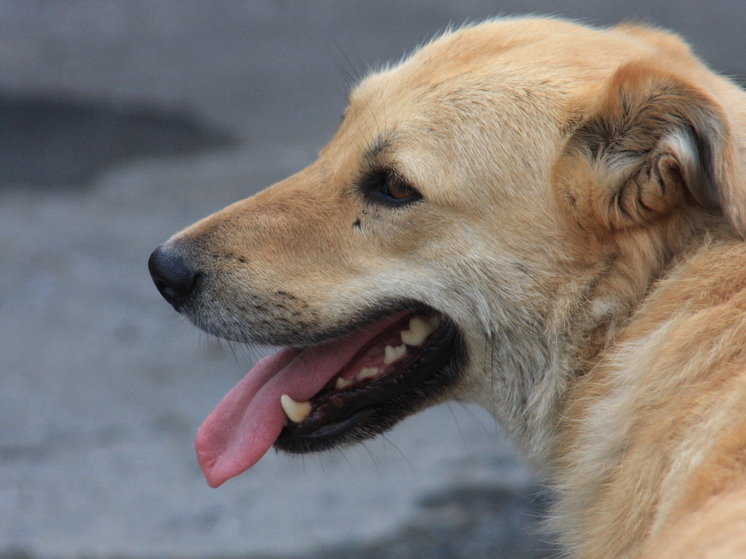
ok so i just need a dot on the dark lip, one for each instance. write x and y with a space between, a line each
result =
348 416
284 332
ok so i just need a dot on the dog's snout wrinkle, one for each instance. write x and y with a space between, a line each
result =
173 274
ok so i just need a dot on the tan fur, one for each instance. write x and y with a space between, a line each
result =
584 199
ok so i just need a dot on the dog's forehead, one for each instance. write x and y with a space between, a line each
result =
507 58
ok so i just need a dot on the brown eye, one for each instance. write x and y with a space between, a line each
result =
389 188
397 188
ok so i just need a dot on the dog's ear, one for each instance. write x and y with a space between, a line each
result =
653 142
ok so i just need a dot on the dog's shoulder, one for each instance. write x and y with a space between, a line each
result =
657 430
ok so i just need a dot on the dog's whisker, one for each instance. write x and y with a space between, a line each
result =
396 447
349 71
372 456
456 422
478 422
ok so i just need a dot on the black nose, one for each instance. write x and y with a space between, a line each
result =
172 274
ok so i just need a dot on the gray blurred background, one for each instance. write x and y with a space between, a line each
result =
120 123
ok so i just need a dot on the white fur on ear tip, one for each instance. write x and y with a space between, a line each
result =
712 175
684 147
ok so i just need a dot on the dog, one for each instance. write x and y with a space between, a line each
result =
542 217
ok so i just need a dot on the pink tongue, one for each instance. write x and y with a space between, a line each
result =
245 424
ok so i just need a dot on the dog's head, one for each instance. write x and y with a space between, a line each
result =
486 214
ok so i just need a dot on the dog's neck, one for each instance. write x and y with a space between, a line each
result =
533 365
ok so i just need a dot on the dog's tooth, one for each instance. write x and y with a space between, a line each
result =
366 372
296 411
417 332
409 337
393 353
343 383
420 328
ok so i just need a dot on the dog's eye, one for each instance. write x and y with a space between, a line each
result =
397 188
390 188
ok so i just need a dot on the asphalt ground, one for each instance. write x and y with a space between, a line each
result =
122 122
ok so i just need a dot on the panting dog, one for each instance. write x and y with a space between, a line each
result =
544 218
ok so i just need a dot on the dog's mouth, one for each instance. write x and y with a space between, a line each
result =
339 392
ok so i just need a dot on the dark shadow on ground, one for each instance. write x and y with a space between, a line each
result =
64 142
468 523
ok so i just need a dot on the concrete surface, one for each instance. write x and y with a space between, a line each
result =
102 386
